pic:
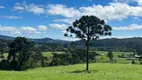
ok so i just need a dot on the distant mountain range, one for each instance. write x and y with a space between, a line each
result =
126 43
6 37
42 40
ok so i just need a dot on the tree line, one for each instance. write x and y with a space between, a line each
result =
124 45
24 54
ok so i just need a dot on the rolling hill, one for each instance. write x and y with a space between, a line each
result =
98 71
42 40
105 44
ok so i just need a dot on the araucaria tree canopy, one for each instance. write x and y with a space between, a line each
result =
88 28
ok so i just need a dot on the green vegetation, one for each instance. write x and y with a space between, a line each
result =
49 54
103 58
22 55
116 59
25 60
98 71
98 59
88 28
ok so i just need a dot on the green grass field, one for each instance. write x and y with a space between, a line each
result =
49 54
98 71
99 59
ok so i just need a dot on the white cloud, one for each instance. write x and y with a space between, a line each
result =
23 30
18 8
119 37
13 17
70 39
117 10
136 19
113 11
69 21
62 10
58 26
124 1
1 7
42 27
130 27
139 2
64 31
10 29
103 37
30 30
36 9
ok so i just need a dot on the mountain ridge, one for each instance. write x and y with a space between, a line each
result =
38 40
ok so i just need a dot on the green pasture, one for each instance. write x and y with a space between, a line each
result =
98 71
99 59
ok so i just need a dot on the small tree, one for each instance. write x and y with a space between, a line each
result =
23 54
133 61
88 28
1 53
2 49
139 53
110 55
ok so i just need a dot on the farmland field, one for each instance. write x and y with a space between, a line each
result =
97 71
104 58
49 54
99 59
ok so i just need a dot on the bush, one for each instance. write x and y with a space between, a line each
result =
110 55
133 61
72 57
61 59
4 65
24 54
45 62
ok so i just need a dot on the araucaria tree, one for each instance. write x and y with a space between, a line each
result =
139 52
110 55
23 54
88 28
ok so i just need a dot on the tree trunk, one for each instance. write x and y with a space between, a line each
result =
87 55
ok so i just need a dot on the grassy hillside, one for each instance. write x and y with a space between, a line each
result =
99 59
97 71
104 58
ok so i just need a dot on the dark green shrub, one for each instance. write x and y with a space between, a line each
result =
110 55
72 57
133 61
61 59
4 65
45 62
24 54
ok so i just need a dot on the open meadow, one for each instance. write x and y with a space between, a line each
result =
104 58
98 71
98 59
71 40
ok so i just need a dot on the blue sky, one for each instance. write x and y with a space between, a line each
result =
50 18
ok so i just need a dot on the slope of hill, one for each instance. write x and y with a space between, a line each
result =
44 44
126 44
6 37
113 43
42 40
98 71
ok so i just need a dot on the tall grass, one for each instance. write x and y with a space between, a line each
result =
98 71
